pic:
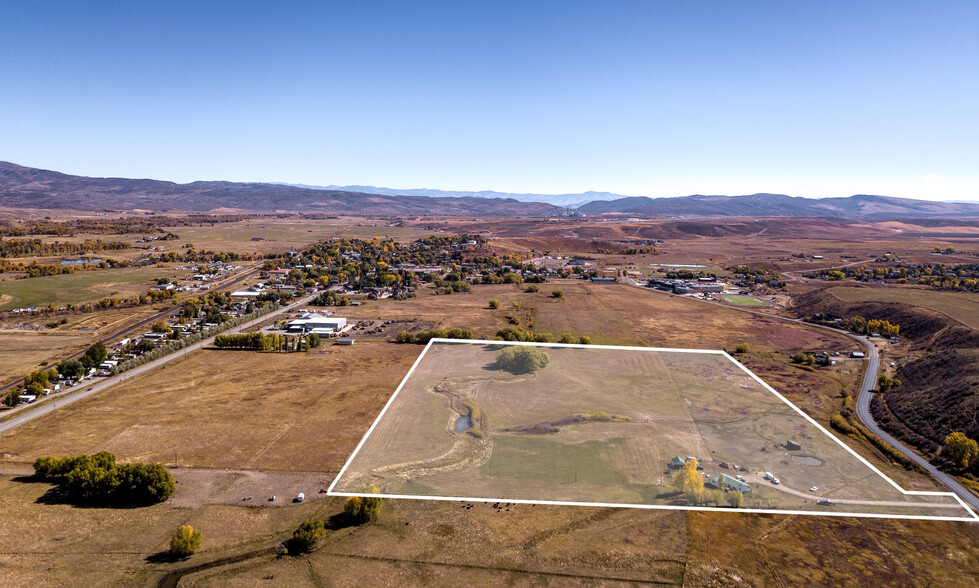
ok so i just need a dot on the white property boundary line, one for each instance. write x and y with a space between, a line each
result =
330 491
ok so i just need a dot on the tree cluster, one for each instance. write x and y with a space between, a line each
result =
862 326
521 359
364 509
98 478
964 451
267 342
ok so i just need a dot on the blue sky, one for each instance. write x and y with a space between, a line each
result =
642 98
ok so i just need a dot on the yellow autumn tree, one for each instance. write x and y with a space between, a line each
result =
689 481
186 541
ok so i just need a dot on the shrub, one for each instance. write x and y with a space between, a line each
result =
557 294
185 542
532 288
742 348
494 304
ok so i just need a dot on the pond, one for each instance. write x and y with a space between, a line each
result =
807 460
463 424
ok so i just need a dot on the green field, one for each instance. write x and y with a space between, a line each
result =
599 425
961 306
744 300
81 286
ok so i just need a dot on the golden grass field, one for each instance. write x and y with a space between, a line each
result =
210 404
27 343
960 306
273 411
665 404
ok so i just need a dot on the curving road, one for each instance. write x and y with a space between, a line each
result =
60 402
863 398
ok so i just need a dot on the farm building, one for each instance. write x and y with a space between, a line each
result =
724 481
318 324
345 341
857 354
598 280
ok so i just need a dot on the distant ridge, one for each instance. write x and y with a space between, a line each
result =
25 187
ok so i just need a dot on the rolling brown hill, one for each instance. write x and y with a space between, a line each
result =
939 393
24 187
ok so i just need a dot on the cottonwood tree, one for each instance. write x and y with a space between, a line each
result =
186 541
364 509
965 451
521 359
305 538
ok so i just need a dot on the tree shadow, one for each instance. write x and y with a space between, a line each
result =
340 521
58 495
163 557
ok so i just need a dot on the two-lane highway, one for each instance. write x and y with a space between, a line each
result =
96 387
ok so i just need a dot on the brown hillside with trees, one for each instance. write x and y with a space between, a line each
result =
940 381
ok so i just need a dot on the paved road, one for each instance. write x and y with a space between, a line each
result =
863 398
137 327
94 388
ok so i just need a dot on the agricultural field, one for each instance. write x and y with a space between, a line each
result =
960 306
744 300
600 425
613 314
271 235
81 286
247 415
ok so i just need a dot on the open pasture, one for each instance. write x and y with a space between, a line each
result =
81 286
268 235
599 425
297 412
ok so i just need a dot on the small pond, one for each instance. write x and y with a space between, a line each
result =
807 460
463 424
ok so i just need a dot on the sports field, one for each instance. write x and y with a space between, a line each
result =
744 300
599 425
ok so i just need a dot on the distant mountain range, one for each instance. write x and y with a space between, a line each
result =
566 200
31 188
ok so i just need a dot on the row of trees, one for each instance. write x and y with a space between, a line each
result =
267 342
862 326
40 248
424 337
98 478
177 344
515 333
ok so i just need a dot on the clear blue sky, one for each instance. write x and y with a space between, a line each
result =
645 98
